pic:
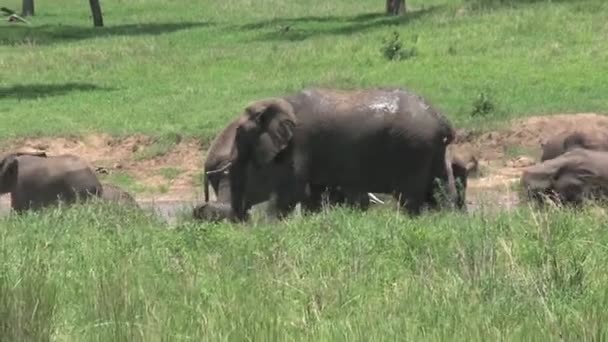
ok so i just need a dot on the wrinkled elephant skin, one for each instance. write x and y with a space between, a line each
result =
376 140
591 139
569 178
36 180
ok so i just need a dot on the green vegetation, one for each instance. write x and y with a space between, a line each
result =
161 146
100 273
177 69
189 66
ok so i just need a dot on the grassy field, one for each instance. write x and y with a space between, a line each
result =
98 273
189 66
185 68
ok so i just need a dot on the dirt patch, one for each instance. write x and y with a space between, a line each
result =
170 176
502 154
176 174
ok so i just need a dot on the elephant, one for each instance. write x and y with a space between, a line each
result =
216 169
113 193
569 178
36 180
383 140
462 167
591 139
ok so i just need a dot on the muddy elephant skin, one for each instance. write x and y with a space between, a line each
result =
375 140
36 180
591 139
570 178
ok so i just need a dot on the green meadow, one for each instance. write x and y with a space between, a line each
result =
185 68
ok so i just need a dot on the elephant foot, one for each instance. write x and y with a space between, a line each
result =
213 212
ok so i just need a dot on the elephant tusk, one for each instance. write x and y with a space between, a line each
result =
374 199
220 170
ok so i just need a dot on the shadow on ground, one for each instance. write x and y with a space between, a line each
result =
50 34
33 91
297 29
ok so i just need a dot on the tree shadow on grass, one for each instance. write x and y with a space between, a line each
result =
50 34
33 91
287 29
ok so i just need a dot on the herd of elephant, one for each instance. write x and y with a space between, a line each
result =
327 146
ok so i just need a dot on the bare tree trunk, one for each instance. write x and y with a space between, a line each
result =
27 8
96 12
395 7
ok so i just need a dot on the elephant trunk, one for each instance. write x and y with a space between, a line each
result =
238 182
206 178
206 186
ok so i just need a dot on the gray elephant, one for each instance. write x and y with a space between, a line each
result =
374 140
36 180
116 194
592 139
216 170
462 167
569 178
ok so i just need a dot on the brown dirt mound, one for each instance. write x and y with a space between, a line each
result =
502 154
168 176
176 174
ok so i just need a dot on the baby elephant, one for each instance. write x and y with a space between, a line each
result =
569 178
591 139
36 180
214 212
114 193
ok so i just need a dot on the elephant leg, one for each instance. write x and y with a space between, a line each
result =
356 199
314 200
335 196
412 203
290 190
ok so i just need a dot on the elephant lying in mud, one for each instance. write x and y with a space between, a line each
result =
376 140
36 180
591 139
569 178
114 193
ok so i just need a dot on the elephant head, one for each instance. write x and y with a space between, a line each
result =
569 178
267 131
9 169
461 170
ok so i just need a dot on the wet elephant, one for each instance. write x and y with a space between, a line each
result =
569 178
216 176
36 180
373 140
114 193
590 138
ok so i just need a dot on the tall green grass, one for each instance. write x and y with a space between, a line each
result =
184 68
100 273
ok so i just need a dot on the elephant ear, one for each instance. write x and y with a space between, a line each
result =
277 122
9 169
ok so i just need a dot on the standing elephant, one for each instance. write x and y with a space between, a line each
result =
592 139
569 178
375 140
259 189
36 180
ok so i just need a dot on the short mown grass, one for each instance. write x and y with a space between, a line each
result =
102 273
189 66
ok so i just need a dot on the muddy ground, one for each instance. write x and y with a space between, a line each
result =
168 177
